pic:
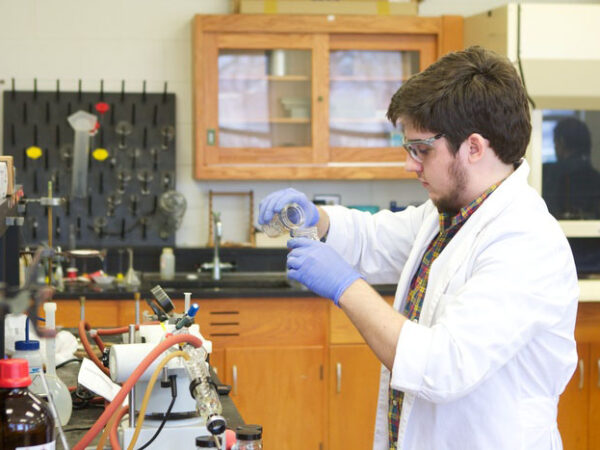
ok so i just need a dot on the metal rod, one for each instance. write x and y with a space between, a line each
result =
132 392
136 297
82 308
50 224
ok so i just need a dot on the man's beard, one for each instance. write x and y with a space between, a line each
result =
450 203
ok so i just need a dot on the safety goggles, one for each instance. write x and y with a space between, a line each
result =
419 148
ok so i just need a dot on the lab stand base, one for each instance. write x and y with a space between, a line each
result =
175 435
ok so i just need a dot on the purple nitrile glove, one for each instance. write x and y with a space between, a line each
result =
320 268
274 202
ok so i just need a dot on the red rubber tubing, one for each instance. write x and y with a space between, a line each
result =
113 436
128 385
83 326
109 331
99 342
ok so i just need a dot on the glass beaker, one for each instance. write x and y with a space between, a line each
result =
290 220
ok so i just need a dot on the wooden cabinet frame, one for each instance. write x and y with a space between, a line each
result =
432 36
579 405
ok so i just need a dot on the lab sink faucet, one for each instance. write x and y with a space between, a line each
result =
216 265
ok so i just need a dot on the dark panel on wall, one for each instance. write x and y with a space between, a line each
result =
125 184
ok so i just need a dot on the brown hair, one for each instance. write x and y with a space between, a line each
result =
465 92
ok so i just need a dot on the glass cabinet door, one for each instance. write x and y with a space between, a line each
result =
364 74
264 98
362 84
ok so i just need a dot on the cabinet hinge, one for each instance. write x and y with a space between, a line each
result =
321 372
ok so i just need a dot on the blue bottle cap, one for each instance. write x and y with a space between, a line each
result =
27 345
193 310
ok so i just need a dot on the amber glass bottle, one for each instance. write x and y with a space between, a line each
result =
25 420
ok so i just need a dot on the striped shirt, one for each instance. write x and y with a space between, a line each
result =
449 226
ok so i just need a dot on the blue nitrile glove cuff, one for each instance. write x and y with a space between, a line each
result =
342 287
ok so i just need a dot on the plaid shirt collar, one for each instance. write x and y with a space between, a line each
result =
448 222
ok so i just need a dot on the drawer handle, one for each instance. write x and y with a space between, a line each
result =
599 372
338 376
234 376
581 374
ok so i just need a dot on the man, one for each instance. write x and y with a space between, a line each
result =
571 185
480 341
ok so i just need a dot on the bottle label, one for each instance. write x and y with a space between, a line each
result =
48 446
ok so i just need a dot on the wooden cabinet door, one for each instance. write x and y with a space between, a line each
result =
284 97
353 386
594 408
282 389
573 405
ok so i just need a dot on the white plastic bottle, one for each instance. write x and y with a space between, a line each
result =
30 351
167 264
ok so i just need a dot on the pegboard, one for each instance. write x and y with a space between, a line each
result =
122 205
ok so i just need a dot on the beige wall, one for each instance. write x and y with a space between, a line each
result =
137 40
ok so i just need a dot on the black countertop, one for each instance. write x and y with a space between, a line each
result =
234 285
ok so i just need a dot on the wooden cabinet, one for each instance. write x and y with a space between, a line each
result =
272 352
573 405
353 385
594 396
281 388
579 405
305 97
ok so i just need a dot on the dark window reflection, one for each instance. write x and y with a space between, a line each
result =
570 179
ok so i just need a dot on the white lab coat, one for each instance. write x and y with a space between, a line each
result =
494 346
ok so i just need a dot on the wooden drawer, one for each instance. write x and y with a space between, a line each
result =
270 321
98 313
588 318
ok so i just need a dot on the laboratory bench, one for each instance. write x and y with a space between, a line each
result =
294 361
299 367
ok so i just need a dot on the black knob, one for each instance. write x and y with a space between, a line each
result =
105 357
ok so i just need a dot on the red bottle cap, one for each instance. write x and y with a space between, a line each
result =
14 373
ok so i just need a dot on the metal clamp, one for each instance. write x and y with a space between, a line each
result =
51 201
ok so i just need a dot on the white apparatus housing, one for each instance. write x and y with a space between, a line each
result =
180 431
